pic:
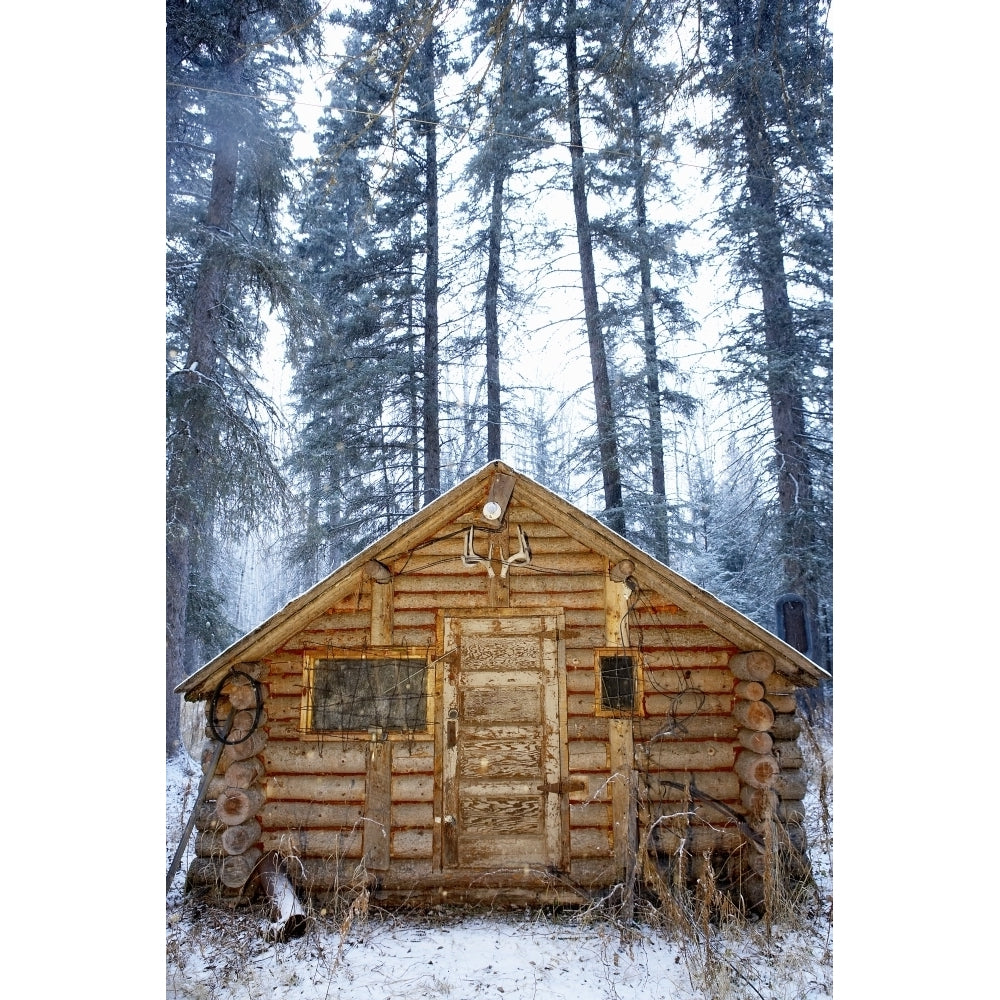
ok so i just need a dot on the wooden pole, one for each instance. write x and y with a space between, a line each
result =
202 791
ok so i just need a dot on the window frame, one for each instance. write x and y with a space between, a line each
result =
638 688
310 659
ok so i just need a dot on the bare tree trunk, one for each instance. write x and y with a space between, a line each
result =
432 435
493 321
794 474
661 541
606 431
191 443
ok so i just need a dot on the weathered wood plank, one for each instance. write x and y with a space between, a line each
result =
624 796
377 805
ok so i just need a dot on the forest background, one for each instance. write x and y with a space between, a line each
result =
916 352
492 249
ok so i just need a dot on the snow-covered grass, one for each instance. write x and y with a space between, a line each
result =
366 952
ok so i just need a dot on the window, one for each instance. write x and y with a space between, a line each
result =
619 681
383 689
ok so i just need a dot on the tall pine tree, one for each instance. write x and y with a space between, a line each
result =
229 126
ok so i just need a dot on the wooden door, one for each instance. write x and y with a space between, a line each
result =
503 703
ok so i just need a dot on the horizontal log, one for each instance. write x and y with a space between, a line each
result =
411 844
591 842
206 820
789 755
590 814
755 715
285 684
758 802
282 817
790 785
413 815
722 785
231 871
673 680
749 690
588 755
413 755
781 702
756 770
697 839
678 816
689 702
718 727
753 666
786 727
316 843
759 741
257 669
678 755
202 872
237 839
326 757
208 844
235 872
243 773
241 693
791 811
242 751
315 788
237 805
684 659
777 683
412 788
687 637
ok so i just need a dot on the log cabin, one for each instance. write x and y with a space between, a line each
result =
500 701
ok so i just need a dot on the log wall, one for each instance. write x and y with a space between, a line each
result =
714 734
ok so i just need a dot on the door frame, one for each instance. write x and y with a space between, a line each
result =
445 848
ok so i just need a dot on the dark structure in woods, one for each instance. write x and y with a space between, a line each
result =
501 701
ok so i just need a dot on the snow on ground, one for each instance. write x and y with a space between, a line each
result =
374 954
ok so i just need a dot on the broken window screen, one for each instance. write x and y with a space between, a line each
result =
361 694
617 683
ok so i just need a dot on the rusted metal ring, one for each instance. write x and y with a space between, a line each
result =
212 719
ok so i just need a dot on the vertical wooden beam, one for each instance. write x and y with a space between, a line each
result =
616 597
624 803
378 804
381 623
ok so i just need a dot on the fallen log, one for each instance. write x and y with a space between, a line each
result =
290 920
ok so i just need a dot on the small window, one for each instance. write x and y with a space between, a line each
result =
619 681
384 690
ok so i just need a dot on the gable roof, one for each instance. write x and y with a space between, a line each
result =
470 495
